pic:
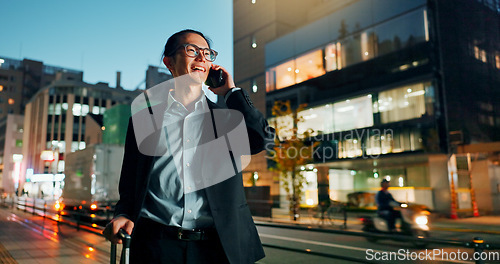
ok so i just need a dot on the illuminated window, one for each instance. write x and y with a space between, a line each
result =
309 66
285 74
350 148
402 103
353 113
254 1
60 166
319 119
497 60
11 101
332 58
95 110
74 146
1 88
55 109
341 116
479 54
303 68
80 109
483 55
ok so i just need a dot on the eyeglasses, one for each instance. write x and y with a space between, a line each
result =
193 51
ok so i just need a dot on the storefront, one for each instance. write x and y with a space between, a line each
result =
44 186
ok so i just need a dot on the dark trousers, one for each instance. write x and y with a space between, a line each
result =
390 216
149 246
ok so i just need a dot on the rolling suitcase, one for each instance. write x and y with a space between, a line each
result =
124 259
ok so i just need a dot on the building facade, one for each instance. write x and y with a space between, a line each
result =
11 142
156 75
55 121
256 23
393 89
21 79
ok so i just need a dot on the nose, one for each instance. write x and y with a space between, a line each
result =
200 56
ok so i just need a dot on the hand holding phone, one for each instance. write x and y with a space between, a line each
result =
215 78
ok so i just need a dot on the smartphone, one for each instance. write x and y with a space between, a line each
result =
215 78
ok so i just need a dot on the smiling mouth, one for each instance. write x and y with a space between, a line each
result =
198 69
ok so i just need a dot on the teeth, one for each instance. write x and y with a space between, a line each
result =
198 68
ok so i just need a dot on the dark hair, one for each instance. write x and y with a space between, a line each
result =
173 41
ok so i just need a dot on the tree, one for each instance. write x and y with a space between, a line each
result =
343 29
291 152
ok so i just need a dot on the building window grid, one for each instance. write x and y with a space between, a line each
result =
320 119
343 52
307 66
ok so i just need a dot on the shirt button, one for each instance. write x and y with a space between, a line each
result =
188 140
187 164
189 188
189 211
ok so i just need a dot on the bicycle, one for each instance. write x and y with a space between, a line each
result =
329 212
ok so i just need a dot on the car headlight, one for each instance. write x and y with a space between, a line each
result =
421 220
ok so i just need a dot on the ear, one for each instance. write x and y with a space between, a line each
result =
168 61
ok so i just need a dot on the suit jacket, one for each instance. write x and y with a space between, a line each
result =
232 217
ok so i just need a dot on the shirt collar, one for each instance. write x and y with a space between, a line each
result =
200 104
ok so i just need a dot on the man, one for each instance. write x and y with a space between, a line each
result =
181 193
386 204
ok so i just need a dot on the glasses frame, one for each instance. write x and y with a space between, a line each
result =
197 51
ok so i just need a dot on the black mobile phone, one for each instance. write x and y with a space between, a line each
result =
215 78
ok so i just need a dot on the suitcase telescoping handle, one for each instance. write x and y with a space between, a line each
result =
126 248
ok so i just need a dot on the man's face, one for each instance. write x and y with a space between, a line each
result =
181 64
385 185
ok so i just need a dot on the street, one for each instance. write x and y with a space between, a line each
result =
26 236
355 247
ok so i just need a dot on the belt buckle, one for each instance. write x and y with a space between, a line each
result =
181 235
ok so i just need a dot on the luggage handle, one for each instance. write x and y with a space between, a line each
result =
124 259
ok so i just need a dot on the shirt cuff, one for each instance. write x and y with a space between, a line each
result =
124 215
230 92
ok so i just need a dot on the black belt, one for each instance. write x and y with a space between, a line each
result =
175 232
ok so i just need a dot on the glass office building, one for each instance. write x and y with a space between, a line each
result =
393 90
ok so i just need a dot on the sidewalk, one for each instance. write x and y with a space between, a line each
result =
27 239
481 224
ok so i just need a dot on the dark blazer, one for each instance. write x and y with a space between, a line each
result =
227 201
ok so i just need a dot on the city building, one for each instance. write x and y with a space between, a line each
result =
156 75
21 79
256 23
394 89
11 142
55 124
